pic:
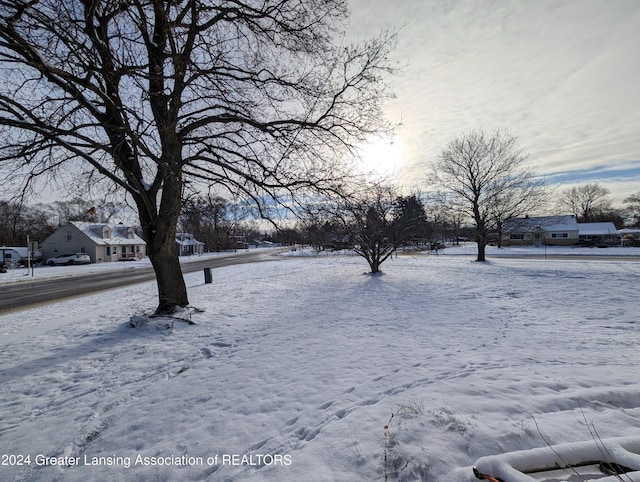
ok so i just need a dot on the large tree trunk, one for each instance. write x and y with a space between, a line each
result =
172 290
159 228
481 231
481 250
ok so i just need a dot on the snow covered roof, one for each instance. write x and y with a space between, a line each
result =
187 239
546 223
593 229
119 234
21 250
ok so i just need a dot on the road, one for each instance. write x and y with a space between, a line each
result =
19 296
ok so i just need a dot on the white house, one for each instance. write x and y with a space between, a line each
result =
188 244
605 233
102 242
550 230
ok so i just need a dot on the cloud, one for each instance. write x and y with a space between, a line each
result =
562 76
622 179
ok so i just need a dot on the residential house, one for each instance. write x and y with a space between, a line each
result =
539 231
102 242
599 233
188 244
630 236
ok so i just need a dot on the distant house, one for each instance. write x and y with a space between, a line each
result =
102 242
599 233
188 244
630 236
538 231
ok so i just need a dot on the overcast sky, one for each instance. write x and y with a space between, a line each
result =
562 75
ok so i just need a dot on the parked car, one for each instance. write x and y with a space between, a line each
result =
77 258
587 242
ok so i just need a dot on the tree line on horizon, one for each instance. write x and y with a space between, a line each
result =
374 225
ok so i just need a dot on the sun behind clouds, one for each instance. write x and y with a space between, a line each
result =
381 158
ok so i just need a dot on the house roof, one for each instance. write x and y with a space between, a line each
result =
187 239
594 229
21 250
546 223
119 233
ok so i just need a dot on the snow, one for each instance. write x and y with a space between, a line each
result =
541 251
22 274
295 367
597 229
547 223
624 451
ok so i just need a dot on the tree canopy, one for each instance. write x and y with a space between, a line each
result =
485 177
260 99
587 202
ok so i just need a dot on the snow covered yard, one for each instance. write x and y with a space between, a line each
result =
296 366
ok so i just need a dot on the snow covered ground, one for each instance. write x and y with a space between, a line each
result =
296 366
23 274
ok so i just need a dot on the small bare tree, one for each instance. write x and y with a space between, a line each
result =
373 226
485 177
257 99
586 201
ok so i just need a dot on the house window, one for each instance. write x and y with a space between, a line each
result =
559 235
516 236
83 250
69 236
108 250
115 250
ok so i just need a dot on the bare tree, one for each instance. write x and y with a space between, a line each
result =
19 221
373 225
88 210
212 220
322 227
586 201
524 193
444 220
633 209
485 177
256 99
